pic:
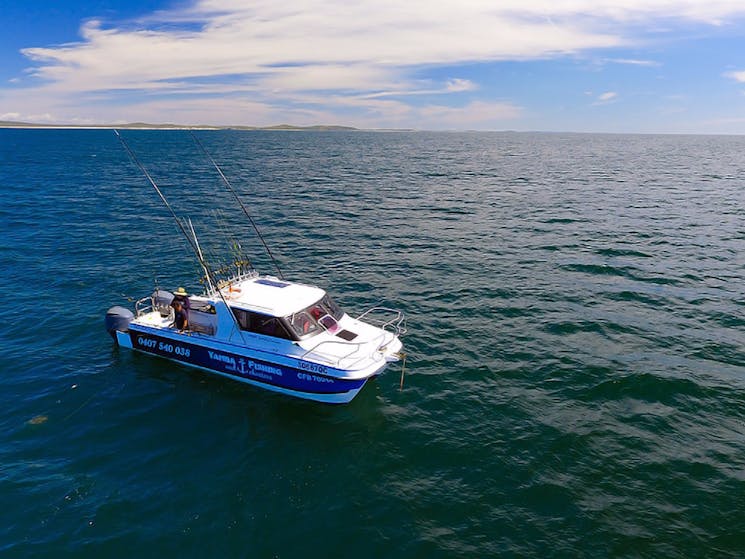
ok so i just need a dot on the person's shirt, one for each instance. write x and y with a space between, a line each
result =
185 303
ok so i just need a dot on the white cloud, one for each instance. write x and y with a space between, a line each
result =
738 76
265 58
605 98
41 118
458 84
633 62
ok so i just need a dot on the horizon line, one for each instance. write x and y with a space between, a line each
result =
20 125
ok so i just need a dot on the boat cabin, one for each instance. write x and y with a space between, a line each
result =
275 308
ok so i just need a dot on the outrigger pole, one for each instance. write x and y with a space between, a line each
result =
238 199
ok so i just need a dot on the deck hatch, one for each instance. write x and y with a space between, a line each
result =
346 335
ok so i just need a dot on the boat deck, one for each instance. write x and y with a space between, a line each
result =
154 318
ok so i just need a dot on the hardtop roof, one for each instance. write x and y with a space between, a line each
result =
272 296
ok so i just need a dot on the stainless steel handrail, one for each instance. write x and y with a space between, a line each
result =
144 305
397 323
355 348
148 305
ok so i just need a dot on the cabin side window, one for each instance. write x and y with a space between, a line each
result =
243 318
261 324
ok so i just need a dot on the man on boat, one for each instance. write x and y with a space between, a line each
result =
181 298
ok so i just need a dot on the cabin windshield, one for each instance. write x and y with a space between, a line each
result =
303 324
321 315
331 307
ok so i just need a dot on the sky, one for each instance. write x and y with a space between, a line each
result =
648 66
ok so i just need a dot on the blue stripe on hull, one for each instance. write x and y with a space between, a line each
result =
305 384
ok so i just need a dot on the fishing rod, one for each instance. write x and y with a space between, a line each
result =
240 202
192 243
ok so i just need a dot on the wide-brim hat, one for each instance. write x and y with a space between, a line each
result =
180 291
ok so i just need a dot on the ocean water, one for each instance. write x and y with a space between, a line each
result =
575 382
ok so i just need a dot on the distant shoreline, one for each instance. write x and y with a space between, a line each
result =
9 124
149 126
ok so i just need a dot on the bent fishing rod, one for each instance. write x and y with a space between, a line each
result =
238 199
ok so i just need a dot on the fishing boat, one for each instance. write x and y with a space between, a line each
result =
263 330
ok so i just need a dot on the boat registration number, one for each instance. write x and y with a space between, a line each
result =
163 346
313 367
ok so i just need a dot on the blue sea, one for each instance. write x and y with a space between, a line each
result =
575 381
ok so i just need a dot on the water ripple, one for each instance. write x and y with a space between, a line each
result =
575 381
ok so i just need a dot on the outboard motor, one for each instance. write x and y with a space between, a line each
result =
118 319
